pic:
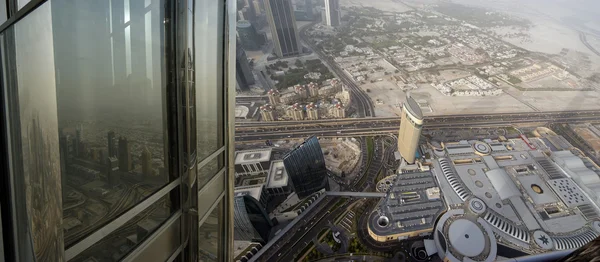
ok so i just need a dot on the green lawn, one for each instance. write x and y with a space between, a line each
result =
370 149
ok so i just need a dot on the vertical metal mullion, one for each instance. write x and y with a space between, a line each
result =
7 233
186 114
229 91
21 233
12 7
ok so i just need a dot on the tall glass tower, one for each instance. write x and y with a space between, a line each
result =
284 32
305 165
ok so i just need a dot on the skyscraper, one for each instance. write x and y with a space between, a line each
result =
249 37
125 163
410 130
251 221
112 171
146 159
284 32
244 75
305 165
308 6
77 145
332 13
111 143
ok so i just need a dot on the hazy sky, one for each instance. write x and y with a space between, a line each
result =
585 11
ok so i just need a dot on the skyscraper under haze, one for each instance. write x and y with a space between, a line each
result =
249 37
244 75
305 165
146 159
111 143
308 6
284 32
332 12
410 130
125 163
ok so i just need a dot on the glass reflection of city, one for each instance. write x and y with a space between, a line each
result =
110 100
416 130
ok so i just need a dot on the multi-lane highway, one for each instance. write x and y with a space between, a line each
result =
379 126
363 102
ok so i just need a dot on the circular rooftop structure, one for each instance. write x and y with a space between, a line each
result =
482 148
466 237
383 221
477 206
460 236
596 226
385 183
543 240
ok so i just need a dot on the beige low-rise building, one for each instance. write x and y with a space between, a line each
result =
338 110
268 113
312 112
274 97
301 91
295 112
313 89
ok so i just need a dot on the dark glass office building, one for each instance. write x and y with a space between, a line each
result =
117 130
250 38
243 72
305 165
251 221
284 32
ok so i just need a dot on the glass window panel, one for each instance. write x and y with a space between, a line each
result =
110 100
211 235
35 134
208 22
208 171
3 12
120 242
22 3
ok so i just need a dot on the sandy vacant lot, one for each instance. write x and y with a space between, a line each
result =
392 96
387 5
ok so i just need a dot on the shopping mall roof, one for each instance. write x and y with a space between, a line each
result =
502 183
406 207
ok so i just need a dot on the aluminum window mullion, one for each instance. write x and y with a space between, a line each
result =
144 245
15 15
211 157
212 181
116 223
210 210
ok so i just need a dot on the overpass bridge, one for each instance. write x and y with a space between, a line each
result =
356 194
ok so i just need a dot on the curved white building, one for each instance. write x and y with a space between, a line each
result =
410 130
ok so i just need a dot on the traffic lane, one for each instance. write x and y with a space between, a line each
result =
442 118
298 230
370 131
313 232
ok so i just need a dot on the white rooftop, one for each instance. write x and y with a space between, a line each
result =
278 176
466 237
502 183
253 156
